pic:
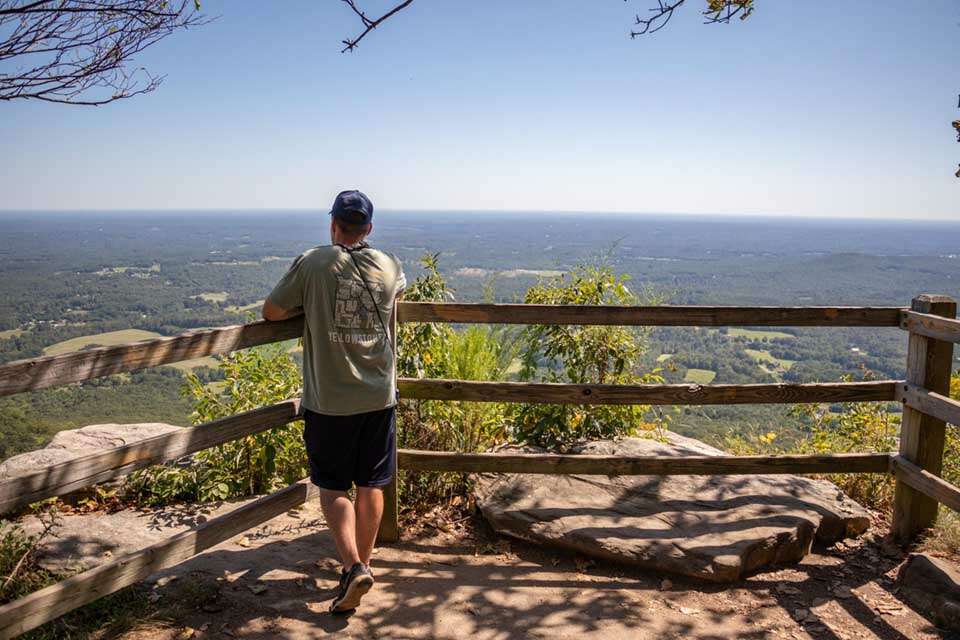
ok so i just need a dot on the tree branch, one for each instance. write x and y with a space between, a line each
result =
369 24
80 51
716 11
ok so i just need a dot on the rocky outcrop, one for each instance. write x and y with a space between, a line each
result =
716 528
76 443
932 588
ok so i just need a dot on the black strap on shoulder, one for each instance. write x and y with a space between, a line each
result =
350 251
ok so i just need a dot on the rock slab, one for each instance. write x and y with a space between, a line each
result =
715 528
932 588
76 443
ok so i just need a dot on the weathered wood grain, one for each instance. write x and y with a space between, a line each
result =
72 475
663 394
926 483
931 326
415 460
390 521
922 436
46 604
930 403
39 373
665 315
76 366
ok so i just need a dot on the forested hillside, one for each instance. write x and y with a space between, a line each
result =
77 280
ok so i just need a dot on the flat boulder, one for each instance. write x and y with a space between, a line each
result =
716 528
932 588
76 443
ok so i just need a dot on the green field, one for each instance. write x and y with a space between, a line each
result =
189 365
700 376
11 333
108 339
124 336
247 307
769 364
663 357
756 334
213 296
765 356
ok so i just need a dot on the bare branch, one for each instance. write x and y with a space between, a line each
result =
368 23
716 11
80 51
662 14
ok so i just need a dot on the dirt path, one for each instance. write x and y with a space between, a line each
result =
276 582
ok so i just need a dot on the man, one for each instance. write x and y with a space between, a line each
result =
347 292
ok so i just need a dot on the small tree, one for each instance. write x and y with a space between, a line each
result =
250 465
584 355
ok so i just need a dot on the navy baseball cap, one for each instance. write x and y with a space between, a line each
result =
353 207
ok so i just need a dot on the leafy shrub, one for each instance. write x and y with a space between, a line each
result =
20 572
583 355
253 464
860 427
435 350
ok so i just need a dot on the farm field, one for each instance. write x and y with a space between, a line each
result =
189 365
764 356
213 296
700 376
107 339
123 336
11 333
757 334
253 306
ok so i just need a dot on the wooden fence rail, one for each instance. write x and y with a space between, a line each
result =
46 604
926 483
662 394
641 465
663 315
77 366
39 373
930 403
931 326
73 475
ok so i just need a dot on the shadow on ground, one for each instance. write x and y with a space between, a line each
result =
277 584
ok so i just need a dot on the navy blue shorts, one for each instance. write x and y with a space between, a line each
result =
346 450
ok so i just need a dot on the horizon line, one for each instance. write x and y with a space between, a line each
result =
790 216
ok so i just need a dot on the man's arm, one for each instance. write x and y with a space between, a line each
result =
274 312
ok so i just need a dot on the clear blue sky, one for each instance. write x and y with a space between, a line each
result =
807 108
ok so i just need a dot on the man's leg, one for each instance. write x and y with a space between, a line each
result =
343 523
369 511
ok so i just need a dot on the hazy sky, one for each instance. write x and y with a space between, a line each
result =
825 109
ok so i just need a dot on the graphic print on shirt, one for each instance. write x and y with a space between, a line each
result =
355 316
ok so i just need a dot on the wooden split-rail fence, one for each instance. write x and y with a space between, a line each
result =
930 322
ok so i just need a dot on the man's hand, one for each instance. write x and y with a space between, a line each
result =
273 313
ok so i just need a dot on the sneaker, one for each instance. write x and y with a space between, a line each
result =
354 584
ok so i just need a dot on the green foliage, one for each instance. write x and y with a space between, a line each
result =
20 573
251 465
860 427
583 355
421 349
29 420
437 351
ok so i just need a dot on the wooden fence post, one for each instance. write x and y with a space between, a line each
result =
929 363
390 523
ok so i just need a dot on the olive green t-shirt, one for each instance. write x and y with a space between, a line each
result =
348 361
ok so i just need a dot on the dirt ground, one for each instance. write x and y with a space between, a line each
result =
461 581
